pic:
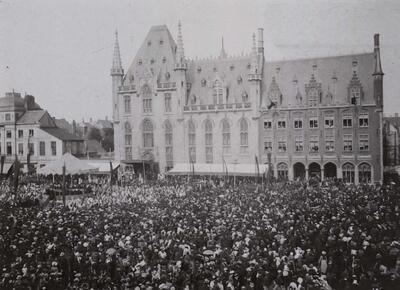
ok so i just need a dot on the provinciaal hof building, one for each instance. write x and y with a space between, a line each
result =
308 117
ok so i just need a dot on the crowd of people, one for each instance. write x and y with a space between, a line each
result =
175 234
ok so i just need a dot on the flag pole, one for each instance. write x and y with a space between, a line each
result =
63 186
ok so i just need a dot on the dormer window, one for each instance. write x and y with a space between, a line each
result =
167 76
215 69
355 95
140 62
199 69
248 66
152 61
203 82
239 79
161 42
193 99
232 67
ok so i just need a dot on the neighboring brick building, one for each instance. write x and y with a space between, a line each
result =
318 116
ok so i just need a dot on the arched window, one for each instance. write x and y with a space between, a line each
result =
148 141
364 173
168 145
209 141
282 170
226 136
244 136
127 104
192 142
146 91
348 173
218 95
128 141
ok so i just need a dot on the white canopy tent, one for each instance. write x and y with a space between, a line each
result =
72 164
103 166
218 169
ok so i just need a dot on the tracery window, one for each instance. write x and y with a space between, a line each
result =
148 139
192 141
226 136
128 140
348 173
244 136
147 98
209 141
168 145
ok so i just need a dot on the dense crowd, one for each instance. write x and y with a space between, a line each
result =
173 234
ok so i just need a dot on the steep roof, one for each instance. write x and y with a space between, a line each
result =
232 72
62 134
156 55
291 75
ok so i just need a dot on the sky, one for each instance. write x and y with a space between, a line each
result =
61 51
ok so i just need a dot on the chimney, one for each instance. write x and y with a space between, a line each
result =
29 102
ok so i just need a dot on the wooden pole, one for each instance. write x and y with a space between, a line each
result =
63 186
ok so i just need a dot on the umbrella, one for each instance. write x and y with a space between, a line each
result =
111 251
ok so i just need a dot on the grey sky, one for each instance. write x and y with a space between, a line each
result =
61 51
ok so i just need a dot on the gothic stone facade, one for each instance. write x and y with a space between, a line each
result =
306 117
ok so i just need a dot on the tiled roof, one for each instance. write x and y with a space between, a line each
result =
325 69
62 134
157 45
31 117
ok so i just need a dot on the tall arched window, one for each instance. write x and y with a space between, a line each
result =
192 141
244 135
364 173
128 141
146 91
348 173
209 141
218 95
148 141
168 145
127 104
226 136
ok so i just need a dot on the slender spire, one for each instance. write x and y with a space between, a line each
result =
223 53
254 57
378 65
180 52
117 64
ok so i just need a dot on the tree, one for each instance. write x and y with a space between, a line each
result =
108 139
94 134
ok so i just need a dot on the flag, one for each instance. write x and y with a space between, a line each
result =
272 104
111 173
225 167
257 166
10 171
2 159
16 175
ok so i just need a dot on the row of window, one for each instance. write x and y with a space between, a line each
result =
30 148
347 122
148 139
313 144
20 133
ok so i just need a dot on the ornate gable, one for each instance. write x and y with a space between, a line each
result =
274 93
355 89
313 92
